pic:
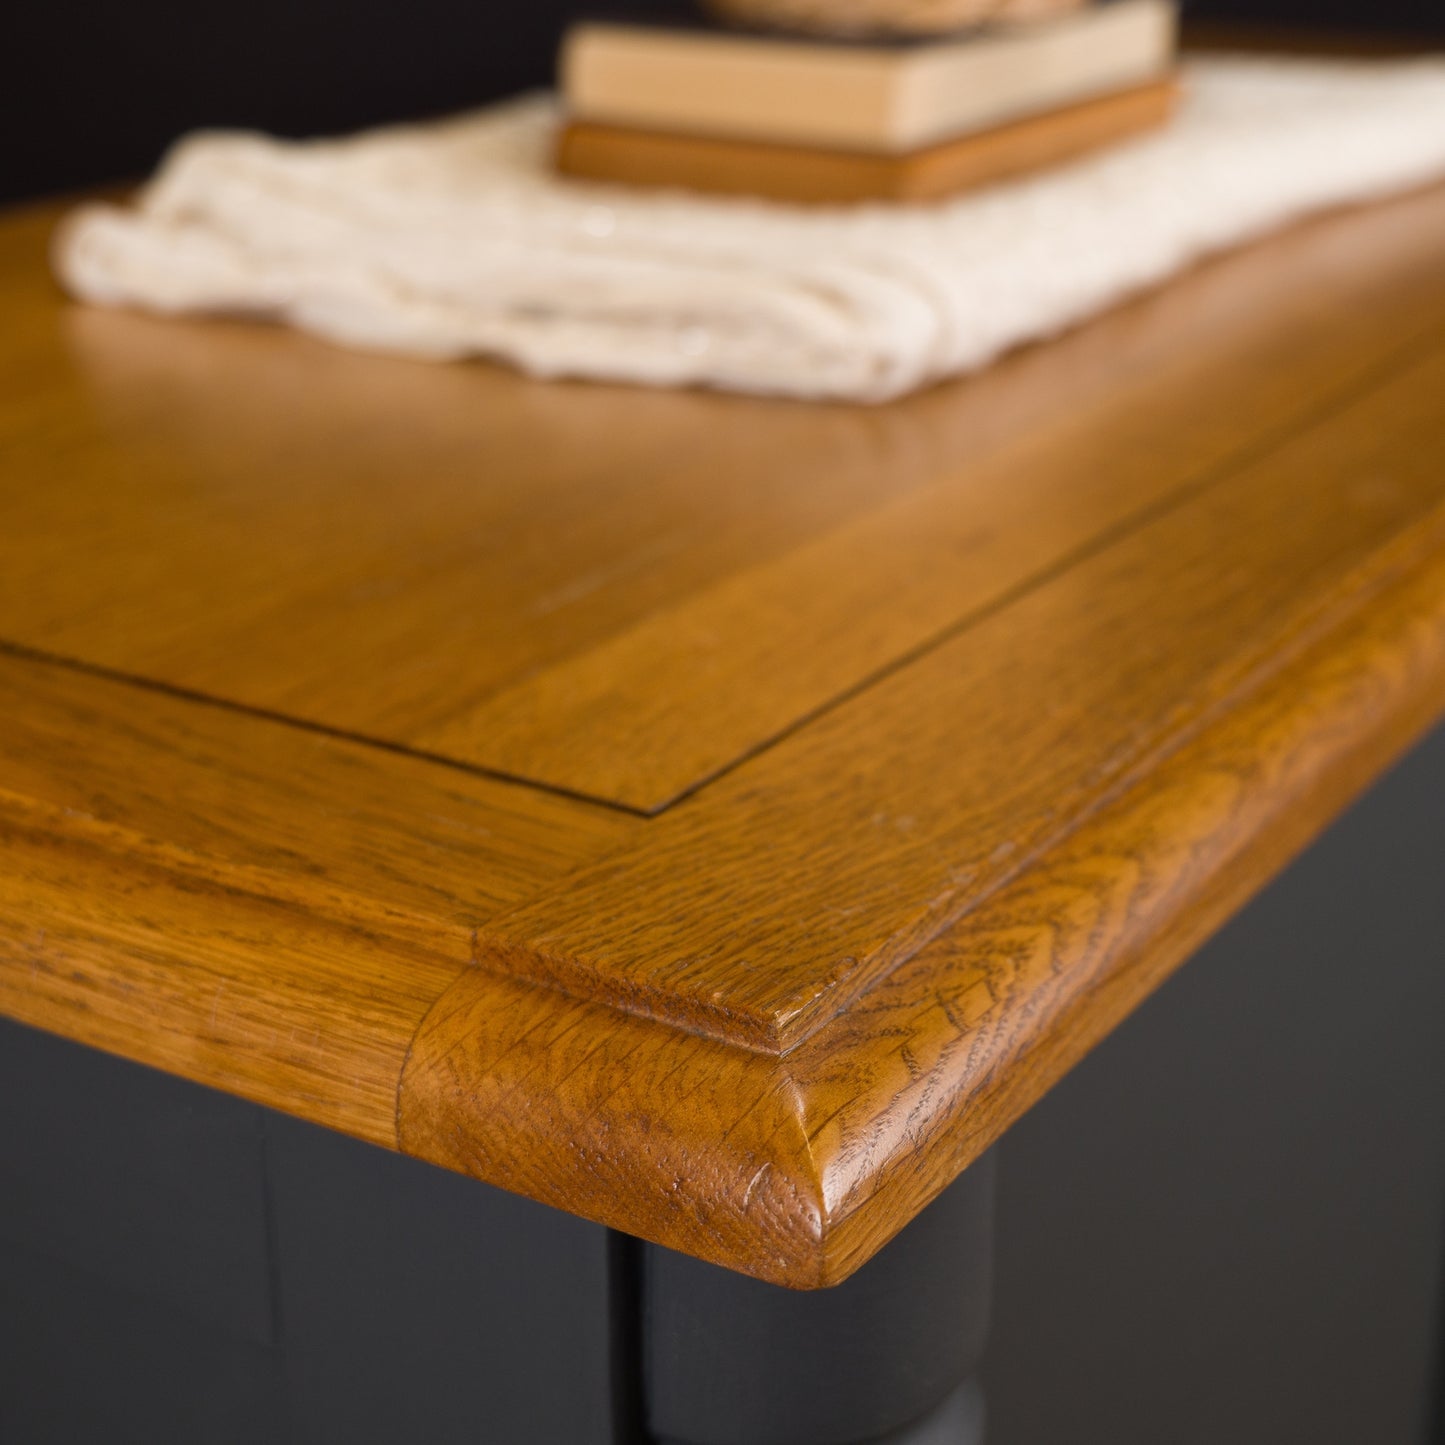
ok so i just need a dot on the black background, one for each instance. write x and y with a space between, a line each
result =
93 91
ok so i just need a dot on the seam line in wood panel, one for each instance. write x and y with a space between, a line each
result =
398 1101
1358 387
1377 576
1398 556
206 699
1307 631
1247 672
1352 730
1361 386
1182 942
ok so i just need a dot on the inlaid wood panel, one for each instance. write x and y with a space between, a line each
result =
775 896
1159 395
614 592
362 542
245 903
798 1168
292 813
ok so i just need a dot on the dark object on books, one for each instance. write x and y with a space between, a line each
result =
821 176
884 17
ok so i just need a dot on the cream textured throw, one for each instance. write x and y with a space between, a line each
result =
454 239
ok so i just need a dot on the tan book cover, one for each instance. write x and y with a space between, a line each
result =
817 176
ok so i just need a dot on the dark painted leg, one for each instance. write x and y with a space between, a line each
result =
178 1267
888 1356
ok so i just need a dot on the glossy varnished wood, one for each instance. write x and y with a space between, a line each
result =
1268 338
611 591
958 722
820 1154
772 899
244 903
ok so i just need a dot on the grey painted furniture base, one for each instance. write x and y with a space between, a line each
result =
1226 1224
959 1420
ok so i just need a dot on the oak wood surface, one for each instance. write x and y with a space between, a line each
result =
611 591
797 1167
923 741
250 905
1269 337
772 898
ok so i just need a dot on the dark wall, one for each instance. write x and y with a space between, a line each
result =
94 91
1363 17
1226 1224
105 86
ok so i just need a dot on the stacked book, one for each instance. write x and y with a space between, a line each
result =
803 118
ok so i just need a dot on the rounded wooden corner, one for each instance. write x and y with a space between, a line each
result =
673 1137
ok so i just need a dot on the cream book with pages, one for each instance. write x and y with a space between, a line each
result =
876 98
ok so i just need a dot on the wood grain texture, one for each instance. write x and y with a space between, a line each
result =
975 727
1160 395
769 901
230 990
815 175
611 591
364 543
797 1168
249 905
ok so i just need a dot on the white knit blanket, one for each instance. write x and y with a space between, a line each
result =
454 239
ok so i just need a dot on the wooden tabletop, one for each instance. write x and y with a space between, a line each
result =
716 817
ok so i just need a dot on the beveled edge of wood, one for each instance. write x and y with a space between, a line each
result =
257 908
797 1168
